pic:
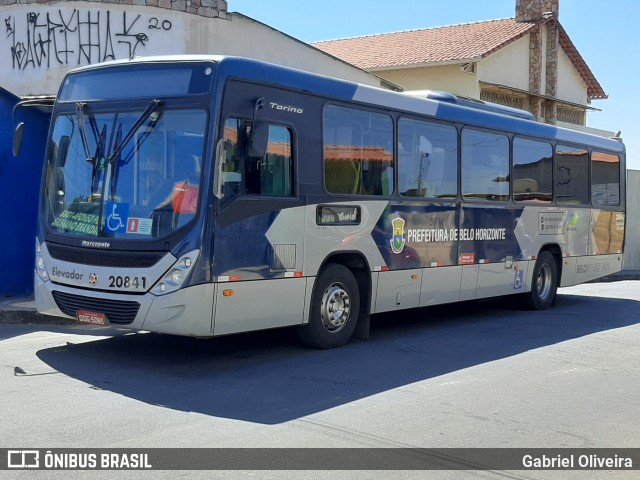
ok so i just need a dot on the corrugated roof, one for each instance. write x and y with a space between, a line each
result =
454 43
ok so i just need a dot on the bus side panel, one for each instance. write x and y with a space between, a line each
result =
496 279
441 285
608 232
323 240
593 266
487 234
568 277
398 290
469 282
418 235
257 305
590 241
261 246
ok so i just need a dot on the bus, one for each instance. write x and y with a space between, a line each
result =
212 195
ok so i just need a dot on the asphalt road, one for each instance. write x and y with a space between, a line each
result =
479 374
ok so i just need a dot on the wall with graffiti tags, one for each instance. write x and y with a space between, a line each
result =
41 41
67 36
41 44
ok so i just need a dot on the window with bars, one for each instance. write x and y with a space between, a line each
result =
571 115
502 99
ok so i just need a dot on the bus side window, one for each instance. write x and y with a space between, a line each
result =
572 175
428 159
358 151
485 165
605 179
278 163
270 175
532 171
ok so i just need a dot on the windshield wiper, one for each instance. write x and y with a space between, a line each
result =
83 132
100 153
100 138
120 143
153 106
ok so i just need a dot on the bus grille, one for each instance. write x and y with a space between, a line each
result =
104 258
117 311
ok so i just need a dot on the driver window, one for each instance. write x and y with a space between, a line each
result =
269 175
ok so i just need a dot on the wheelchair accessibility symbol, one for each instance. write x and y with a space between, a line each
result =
518 282
116 215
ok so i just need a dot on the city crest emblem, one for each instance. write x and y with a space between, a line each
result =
397 242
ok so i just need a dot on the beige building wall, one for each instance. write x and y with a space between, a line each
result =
44 41
571 87
508 66
449 78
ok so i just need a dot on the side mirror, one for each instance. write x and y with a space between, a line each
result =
259 140
17 139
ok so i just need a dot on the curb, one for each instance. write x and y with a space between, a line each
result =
22 310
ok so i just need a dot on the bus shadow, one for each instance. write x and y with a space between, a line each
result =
268 378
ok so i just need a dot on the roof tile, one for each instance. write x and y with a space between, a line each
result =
454 43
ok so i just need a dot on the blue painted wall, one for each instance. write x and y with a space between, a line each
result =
19 184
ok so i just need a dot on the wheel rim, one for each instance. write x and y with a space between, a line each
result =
543 282
335 308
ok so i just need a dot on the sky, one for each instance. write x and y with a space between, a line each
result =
605 32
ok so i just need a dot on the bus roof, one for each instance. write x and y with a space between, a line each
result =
439 105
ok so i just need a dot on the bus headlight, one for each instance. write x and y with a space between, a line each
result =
177 274
41 268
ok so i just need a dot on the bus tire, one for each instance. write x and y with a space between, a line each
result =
335 306
544 283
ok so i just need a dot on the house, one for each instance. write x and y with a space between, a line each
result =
527 62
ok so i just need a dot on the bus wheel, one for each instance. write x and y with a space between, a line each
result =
334 309
544 283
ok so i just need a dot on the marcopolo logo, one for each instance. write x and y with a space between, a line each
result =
397 241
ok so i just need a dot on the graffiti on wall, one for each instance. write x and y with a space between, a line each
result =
70 37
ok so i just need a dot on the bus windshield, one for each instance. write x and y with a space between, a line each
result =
133 174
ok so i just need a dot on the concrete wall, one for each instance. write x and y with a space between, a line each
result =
42 41
632 237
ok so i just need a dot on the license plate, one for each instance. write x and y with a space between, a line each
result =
92 318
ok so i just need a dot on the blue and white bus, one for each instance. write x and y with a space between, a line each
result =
210 195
